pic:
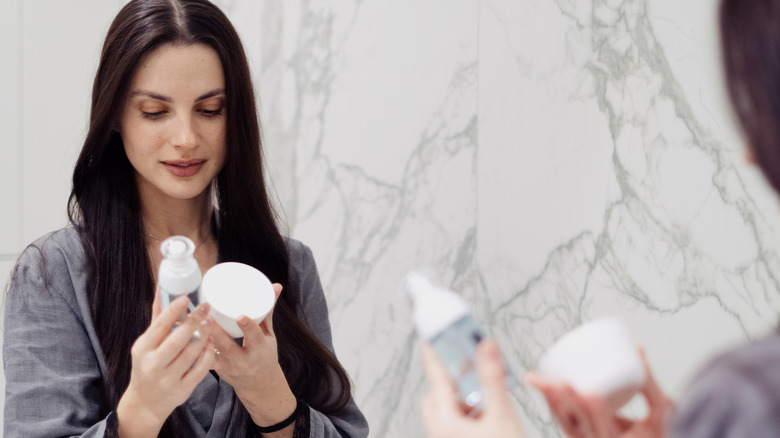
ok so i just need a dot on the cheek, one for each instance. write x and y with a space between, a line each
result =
132 148
220 162
138 144
218 140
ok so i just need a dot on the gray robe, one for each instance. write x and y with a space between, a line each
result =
54 364
737 395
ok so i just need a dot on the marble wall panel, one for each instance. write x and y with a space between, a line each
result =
370 115
611 182
555 161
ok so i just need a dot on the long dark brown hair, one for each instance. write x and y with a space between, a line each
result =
750 40
105 207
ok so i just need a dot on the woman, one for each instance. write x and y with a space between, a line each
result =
173 148
738 393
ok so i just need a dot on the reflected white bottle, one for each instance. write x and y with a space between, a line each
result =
443 319
179 272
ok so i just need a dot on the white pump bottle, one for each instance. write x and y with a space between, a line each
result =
443 319
179 272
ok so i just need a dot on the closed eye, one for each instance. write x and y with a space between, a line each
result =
153 116
212 113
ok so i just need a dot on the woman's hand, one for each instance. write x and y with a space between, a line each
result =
442 414
589 417
167 366
254 372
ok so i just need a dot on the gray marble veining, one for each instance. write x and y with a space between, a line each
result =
555 161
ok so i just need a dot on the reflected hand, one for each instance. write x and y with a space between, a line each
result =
583 416
443 415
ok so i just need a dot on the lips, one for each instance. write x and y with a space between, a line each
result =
184 168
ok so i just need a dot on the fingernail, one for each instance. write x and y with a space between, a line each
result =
206 322
204 308
183 303
243 321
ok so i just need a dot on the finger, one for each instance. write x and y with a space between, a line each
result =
277 291
562 408
601 422
659 405
535 380
202 366
192 351
440 419
156 305
183 335
224 343
550 390
161 327
650 389
253 334
570 418
623 424
267 324
492 378
595 417
440 384
428 409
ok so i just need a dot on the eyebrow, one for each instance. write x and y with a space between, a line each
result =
212 93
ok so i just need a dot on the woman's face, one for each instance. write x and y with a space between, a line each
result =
173 121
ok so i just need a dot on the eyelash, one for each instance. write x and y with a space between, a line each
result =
159 114
211 114
152 116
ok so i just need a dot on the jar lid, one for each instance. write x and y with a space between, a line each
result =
234 289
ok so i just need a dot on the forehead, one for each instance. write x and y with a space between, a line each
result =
174 69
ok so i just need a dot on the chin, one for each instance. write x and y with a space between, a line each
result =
186 193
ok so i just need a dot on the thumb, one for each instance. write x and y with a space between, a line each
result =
267 324
277 291
156 306
492 378
660 405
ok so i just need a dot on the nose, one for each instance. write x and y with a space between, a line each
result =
184 135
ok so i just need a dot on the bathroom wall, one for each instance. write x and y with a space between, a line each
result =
554 161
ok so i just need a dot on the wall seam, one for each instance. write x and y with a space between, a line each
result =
476 145
20 112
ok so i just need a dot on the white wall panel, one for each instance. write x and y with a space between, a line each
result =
62 42
10 126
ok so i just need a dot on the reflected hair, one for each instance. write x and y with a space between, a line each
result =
750 42
105 208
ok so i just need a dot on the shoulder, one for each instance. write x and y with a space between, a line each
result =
737 392
300 255
55 260
313 307
303 270
58 248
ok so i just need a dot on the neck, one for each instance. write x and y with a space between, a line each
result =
178 217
